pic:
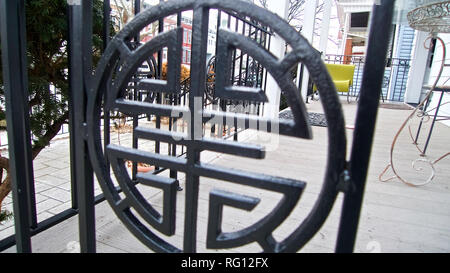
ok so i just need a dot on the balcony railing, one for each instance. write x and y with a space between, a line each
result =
395 75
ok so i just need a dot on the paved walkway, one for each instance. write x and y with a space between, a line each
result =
395 217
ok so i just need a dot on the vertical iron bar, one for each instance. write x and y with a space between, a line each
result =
106 23
265 76
173 173
434 121
357 79
258 66
248 57
106 114
72 130
198 78
241 56
137 9
215 102
396 93
394 70
234 51
173 121
365 123
399 93
81 73
159 95
13 37
405 73
222 102
219 23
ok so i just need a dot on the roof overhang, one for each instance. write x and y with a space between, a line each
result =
350 6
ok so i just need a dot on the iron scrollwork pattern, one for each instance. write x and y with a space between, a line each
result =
119 57
432 18
421 112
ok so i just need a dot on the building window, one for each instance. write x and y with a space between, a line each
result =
189 37
359 19
185 32
184 56
188 59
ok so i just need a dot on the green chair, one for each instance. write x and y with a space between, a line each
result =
342 75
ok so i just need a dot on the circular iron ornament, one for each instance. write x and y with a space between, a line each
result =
132 208
433 18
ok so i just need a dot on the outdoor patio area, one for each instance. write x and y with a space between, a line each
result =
395 217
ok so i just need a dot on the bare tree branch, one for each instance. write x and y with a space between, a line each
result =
296 15
263 3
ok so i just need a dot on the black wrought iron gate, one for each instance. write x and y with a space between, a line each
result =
95 92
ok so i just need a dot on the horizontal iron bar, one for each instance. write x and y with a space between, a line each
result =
147 157
219 146
233 148
149 83
152 180
263 181
244 93
284 127
235 200
160 135
137 107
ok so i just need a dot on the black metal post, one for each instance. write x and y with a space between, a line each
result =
198 78
106 23
106 114
259 65
241 56
265 77
365 123
12 16
173 122
215 102
81 72
72 144
434 121
137 9
159 94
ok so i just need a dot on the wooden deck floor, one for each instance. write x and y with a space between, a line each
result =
395 217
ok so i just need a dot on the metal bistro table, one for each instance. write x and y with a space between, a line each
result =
436 116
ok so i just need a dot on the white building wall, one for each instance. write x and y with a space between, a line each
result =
416 76
308 33
277 47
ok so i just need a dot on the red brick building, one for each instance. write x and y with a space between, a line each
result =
169 24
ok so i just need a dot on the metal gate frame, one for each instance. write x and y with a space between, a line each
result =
12 24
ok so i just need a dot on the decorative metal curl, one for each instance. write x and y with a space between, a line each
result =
407 124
